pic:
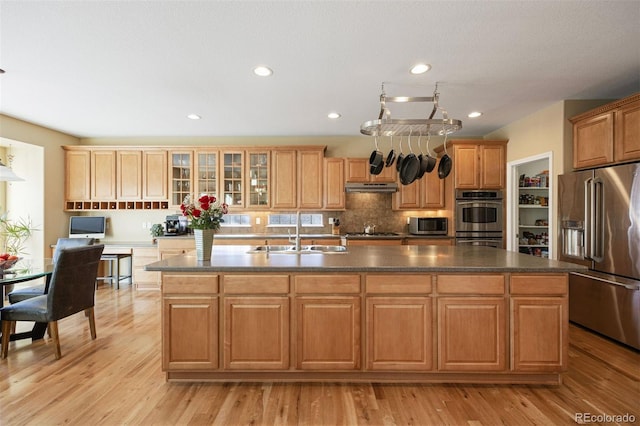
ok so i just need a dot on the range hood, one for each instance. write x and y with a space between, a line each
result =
371 187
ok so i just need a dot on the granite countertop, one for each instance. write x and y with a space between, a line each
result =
304 235
473 259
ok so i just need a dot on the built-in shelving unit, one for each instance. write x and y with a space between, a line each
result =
531 222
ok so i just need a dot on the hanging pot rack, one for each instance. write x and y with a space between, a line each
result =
386 126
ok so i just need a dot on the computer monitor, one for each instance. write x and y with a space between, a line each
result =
87 227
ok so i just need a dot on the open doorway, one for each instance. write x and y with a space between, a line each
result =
25 199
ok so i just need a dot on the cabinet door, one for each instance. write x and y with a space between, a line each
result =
77 175
328 333
465 164
180 172
129 182
627 144
432 191
206 172
492 166
399 335
154 175
539 331
471 334
284 179
334 198
233 179
388 174
103 175
190 333
593 141
258 185
408 196
310 167
256 333
357 170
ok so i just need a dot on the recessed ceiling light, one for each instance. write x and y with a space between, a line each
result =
420 69
334 115
474 114
262 71
193 117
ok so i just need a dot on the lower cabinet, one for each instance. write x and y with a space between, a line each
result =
145 280
383 325
471 334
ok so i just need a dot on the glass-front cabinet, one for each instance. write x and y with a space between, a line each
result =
181 164
232 181
258 180
206 173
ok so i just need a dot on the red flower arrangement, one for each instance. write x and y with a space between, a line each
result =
205 213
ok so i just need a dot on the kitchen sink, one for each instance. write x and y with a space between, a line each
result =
318 249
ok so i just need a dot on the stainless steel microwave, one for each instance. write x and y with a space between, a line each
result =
428 225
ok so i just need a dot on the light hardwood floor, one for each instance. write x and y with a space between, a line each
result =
116 379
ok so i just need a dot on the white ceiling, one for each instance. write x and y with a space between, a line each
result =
137 68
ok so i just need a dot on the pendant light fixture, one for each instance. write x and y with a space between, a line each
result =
6 174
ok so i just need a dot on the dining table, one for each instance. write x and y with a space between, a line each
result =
23 271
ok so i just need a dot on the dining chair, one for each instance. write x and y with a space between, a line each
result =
71 290
21 294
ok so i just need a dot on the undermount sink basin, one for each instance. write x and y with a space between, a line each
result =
318 249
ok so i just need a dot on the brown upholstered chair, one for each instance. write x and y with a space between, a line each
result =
71 290
21 294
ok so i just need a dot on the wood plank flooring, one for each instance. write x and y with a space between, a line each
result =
116 380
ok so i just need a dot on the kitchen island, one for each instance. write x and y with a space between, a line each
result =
374 313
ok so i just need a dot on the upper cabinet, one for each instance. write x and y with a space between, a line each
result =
297 178
608 134
180 176
77 175
424 193
154 175
334 196
358 171
103 175
479 164
258 175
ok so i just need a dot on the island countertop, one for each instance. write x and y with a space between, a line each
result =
367 259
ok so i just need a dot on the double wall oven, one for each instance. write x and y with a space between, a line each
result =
479 217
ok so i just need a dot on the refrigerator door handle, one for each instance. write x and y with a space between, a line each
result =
597 220
588 219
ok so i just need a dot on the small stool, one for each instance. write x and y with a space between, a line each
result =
114 267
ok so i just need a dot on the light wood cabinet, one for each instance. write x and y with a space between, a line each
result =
283 180
103 175
358 171
77 175
256 333
154 175
608 134
180 176
427 192
479 164
129 181
258 179
539 322
205 173
310 176
334 196
471 334
168 247
328 333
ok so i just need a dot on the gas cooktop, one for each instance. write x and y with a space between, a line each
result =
375 234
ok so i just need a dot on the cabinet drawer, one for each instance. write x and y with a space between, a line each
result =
544 284
252 284
470 284
189 283
142 261
398 283
327 283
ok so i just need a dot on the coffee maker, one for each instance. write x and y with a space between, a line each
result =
175 224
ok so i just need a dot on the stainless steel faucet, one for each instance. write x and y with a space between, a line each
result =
296 240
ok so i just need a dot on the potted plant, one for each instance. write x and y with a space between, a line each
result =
157 230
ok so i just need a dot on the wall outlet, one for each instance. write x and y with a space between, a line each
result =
258 221
331 220
144 225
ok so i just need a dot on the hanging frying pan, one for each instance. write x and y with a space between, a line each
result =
391 157
410 166
400 156
444 168
422 159
431 161
376 162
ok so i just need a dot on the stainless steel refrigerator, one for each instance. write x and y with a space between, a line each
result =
599 217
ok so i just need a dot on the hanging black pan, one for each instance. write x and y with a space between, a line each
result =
410 166
431 161
400 158
422 159
376 161
444 168
391 157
